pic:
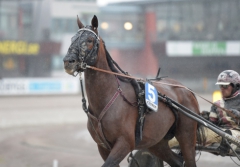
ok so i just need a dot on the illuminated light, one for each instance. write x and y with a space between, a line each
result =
176 27
19 48
199 26
9 64
216 95
128 26
161 25
104 25
33 49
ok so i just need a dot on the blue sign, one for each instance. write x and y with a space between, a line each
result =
45 86
151 96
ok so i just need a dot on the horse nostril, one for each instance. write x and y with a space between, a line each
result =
71 61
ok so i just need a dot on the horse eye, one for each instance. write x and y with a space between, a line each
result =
89 41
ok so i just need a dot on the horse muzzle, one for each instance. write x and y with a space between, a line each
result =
70 64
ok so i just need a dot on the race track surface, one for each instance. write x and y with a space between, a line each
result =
50 131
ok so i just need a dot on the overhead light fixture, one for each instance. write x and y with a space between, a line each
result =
104 25
128 26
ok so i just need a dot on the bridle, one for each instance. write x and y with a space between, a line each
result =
86 29
90 56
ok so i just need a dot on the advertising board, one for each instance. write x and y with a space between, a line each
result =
33 86
194 48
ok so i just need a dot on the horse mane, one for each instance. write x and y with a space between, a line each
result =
115 67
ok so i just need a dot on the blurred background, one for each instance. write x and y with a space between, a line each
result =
190 40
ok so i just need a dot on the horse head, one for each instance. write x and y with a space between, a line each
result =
83 49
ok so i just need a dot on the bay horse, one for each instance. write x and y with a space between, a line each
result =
112 118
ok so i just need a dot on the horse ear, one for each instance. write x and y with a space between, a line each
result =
95 22
80 25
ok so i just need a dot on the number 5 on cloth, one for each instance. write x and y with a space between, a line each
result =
151 97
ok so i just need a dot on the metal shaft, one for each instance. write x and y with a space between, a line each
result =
192 115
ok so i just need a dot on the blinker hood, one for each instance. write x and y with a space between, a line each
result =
89 56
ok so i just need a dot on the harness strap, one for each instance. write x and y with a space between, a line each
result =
99 131
109 104
103 144
103 137
134 104
103 112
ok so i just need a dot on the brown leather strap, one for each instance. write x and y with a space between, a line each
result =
114 73
100 133
181 86
103 137
141 79
108 105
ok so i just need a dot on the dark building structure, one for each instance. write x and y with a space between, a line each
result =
192 41
25 45
32 33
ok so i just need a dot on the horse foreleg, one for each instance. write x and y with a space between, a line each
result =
103 152
119 151
163 151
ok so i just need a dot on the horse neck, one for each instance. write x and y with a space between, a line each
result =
100 86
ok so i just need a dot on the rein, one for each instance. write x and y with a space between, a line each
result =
114 73
141 79
84 66
222 108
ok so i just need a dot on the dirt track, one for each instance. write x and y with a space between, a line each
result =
51 131
67 145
